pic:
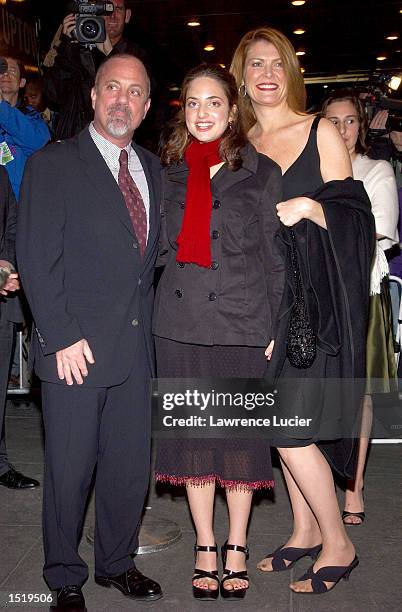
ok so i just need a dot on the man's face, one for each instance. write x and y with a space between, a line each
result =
116 21
10 81
120 99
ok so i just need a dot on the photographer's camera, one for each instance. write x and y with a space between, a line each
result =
90 24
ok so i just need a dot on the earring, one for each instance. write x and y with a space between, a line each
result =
242 90
230 125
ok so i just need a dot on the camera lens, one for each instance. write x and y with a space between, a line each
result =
90 29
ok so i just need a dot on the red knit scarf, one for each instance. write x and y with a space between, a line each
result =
194 240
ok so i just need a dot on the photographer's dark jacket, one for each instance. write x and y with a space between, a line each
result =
236 301
68 83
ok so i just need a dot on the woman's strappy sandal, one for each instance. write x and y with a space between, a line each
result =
229 574
326 574
200 592
291 554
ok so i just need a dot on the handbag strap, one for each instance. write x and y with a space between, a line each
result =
295 267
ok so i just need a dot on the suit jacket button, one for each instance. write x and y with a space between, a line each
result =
215 234
178 293
182 205
214 265
216 204
134 322
212 296
180 264
135 245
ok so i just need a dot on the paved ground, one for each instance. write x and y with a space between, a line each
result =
374 586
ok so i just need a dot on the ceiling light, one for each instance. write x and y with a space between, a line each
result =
325 86
301 52
193 23
209 47
394 82
299 31
381 58
222 65
174 88
298 2
392 37
302 70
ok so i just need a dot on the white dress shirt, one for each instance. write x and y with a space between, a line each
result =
111 153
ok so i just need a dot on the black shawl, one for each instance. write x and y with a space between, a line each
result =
335 268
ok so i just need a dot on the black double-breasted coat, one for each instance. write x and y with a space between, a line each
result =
235 302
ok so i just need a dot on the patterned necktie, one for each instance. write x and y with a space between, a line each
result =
134 201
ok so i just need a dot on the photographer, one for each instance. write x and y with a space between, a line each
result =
22 130
68 81
385 142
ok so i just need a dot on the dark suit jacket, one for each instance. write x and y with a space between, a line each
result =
236 301
10 308
79 259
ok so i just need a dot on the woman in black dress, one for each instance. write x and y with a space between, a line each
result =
332 227
215 303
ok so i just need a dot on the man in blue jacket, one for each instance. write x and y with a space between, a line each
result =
22 130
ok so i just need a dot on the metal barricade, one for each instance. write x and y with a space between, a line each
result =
24 386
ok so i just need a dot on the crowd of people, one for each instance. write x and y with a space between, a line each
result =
264 218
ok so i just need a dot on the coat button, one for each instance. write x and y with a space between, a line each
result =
178 293
212 296
134 322
214 265
215 234
180 264
216 204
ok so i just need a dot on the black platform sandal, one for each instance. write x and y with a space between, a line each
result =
331 573
229 574
199 592
360 515
291 554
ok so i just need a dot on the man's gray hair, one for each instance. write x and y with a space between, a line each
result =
122 56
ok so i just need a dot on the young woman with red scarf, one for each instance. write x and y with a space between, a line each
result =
216 305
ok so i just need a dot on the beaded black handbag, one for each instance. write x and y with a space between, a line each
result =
301 340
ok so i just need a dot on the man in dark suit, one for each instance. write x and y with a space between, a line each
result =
86 245
10 314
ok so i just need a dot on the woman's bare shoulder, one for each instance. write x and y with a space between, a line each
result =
335 159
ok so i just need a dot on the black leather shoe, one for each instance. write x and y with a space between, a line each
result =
69 598
15 480
133 584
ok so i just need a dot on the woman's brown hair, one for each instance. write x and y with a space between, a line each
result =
296 91
179 138
350 95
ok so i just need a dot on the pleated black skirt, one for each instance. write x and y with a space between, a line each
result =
235 463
